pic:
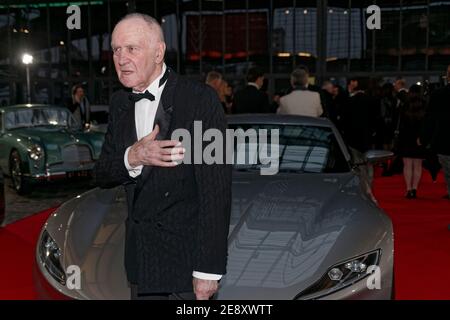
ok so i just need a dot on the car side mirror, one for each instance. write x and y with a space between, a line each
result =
377 156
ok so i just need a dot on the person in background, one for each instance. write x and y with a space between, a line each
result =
226 96
79 106
436 130
300 101
215 80
387 122
410 149
251 99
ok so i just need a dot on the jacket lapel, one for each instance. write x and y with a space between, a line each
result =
127 121
163 119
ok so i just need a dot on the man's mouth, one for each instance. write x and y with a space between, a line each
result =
126 72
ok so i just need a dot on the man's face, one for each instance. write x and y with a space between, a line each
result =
328 87
398 85
136 53
352 85
216 84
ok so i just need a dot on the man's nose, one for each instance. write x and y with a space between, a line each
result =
122 58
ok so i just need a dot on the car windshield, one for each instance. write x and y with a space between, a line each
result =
36 117
302 148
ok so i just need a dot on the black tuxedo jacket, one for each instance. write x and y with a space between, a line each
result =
250 100
436 129
178 218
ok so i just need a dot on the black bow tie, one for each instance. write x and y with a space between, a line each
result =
138 96
135 97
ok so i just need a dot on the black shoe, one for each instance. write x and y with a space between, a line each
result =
414 194
409 194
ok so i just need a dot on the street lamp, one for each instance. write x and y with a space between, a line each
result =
27 59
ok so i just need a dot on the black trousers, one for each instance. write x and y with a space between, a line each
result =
135 295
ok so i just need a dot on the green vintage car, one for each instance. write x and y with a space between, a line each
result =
42 143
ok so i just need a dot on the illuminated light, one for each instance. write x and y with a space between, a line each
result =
304 54
287 12
26 31
283 54
419 83
330 11
27 58
18 140
332 59
163 20
345 12
29 105
61 43
305 11
14 30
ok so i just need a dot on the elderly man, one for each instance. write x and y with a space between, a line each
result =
178 214
300 101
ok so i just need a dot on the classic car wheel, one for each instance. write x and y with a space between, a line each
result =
15 167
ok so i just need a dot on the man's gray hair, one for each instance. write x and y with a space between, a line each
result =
151 22
299 77
213 75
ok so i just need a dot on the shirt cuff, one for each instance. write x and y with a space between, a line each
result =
133 172
206 276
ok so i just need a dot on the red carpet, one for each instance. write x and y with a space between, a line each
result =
17 245
422 238
422 243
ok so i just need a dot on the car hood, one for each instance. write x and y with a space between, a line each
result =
285 232
54 138
49 135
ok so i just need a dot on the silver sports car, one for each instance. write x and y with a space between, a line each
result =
311 231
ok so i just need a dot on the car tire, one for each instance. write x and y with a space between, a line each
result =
21 185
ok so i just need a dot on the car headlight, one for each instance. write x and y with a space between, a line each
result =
341 275
50 255
36 152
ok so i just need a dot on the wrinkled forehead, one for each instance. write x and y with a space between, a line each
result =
132 31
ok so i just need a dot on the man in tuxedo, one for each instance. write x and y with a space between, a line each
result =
251 99
178 214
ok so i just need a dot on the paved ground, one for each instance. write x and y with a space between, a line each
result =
43 197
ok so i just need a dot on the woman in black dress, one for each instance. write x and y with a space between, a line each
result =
409 148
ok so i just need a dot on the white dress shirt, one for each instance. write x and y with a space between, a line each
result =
145 113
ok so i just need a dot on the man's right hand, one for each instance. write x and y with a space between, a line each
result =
151 152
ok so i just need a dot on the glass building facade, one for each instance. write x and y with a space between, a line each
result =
328 36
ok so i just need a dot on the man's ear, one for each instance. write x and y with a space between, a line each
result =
160 52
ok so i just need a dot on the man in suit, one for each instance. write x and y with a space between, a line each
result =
300 101
436 129
251 99
178 214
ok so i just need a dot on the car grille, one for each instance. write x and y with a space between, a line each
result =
76 154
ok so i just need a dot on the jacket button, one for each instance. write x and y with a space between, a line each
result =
159 224
166 194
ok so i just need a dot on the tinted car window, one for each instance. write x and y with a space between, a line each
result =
311 149
33 117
